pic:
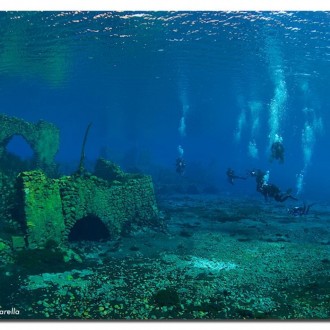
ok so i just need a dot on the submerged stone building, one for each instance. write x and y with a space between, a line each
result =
45 209
52 207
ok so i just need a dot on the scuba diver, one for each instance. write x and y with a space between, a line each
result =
269 190
259 175
231 176
277 151
299 211
180 165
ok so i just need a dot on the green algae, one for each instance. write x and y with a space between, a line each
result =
53 206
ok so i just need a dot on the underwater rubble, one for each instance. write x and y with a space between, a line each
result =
219 258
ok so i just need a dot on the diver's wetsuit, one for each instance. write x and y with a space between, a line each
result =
259 175
180 166
277 151
300 210
269 190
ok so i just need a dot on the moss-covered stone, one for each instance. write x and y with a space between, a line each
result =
42 137
5 252
7 196
4 246
42 208
38 261
70 255
109 171
53 206
18 242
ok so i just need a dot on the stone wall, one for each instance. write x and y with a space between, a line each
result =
7 189
51 207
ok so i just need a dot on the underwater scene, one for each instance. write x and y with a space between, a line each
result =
164 165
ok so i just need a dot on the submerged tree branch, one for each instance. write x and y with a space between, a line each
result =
81 167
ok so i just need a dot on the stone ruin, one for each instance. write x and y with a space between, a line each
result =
53 206
42 137
40 209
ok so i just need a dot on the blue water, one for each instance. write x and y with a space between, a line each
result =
214 83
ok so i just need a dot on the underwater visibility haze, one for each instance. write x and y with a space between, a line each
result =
180 169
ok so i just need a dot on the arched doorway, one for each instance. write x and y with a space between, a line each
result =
18 157
89 228
18 146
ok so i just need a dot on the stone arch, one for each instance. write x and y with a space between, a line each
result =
89 228
18 139
43 137
73 221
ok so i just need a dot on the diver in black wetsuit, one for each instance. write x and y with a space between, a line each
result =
277 152
299 211
180 165
231 176
269 190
